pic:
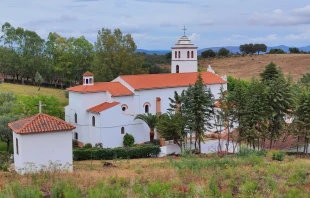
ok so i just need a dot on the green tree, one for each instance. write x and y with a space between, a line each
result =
294 50
115 55
302 119
168 56
151 121
198 110
304 81
39 80
270 73
277 51
7 102
171 126
208 54
259 48
27 105
280 103
223 52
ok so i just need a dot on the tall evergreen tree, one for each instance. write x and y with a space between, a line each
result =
271 72
302 119
198 109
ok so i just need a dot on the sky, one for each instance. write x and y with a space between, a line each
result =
158 24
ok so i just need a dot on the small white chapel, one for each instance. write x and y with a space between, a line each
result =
103 112
42 143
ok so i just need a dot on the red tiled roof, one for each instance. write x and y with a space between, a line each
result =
40 123
217 104
153 81
103 106
88 74
114 88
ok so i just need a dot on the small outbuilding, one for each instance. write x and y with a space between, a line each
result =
42 143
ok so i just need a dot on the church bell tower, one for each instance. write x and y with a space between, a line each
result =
184 56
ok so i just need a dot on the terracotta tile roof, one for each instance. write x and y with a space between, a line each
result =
114 88
88 74
103 106
217 104
153 81
40 123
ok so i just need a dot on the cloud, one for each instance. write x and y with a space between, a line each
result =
194 37
206 23
167 24
47 21
278 17
305 11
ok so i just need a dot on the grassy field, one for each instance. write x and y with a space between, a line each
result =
32 90
248 175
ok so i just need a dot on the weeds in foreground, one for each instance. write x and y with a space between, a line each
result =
248 174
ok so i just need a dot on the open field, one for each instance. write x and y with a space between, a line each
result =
247 175
248 66
33 90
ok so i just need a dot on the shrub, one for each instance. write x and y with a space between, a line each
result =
128 140
88 145
143 151
75 144
278 155
98 145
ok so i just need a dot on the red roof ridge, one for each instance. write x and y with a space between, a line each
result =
165 74
55 124
88 74
102 106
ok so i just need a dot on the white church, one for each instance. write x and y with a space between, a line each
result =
103 112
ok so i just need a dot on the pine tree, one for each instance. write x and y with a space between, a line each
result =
280 103
271 72
302 118
199 110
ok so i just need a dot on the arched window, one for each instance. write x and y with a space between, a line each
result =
187 54
192 54
175 54
93 121
90 81
122 130
179 54
86 81
75 118
177 69
146 108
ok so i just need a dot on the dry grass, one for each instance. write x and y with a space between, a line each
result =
240 177
33 91
248 66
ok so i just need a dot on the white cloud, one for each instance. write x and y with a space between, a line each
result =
278 17
194 37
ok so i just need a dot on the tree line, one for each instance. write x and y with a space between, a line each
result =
260 108
61 61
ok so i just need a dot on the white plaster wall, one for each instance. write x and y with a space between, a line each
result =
184 66
79 103
41 148
183 54
113 120
18 161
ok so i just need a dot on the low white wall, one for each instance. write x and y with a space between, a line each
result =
210 146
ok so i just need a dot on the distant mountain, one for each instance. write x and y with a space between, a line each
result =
159 52
233 49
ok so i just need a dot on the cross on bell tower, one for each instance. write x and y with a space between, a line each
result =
40 106
184 30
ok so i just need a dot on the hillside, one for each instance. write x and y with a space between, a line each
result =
246 67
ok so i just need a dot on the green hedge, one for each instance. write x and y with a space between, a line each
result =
143 151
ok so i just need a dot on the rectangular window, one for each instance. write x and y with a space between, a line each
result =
17 146
76 135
